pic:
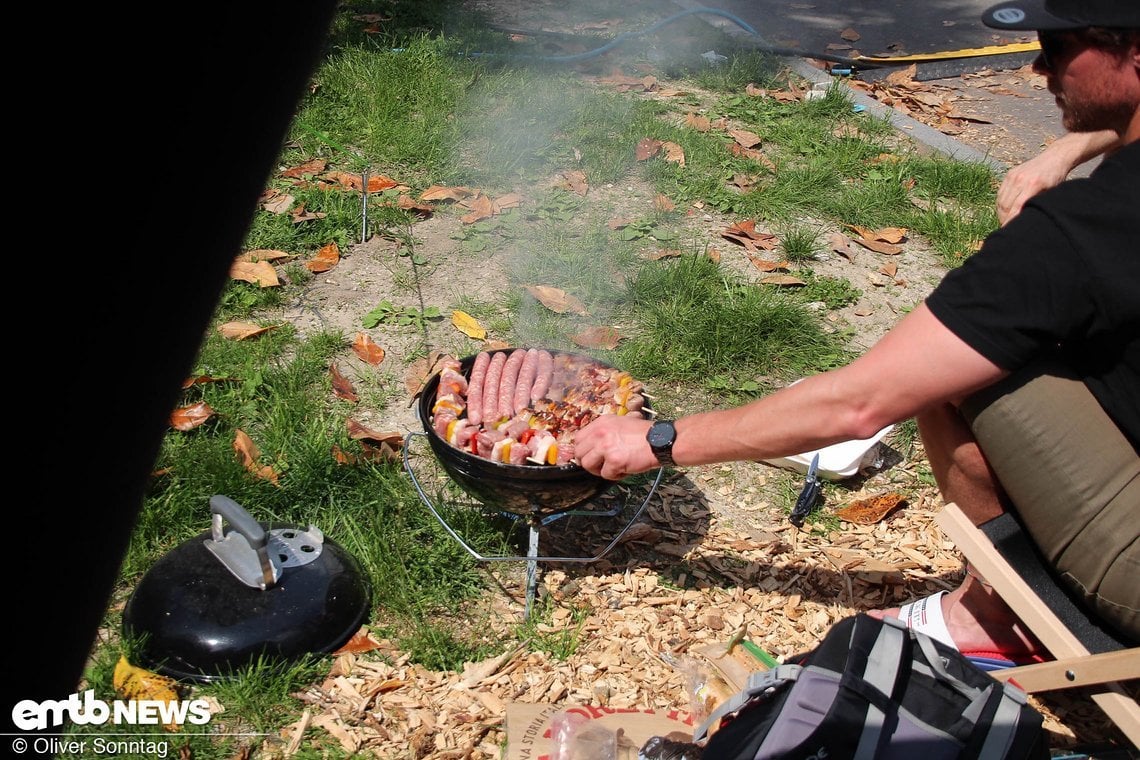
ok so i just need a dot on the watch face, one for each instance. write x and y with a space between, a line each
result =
661 434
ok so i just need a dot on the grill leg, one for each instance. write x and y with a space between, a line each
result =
531 569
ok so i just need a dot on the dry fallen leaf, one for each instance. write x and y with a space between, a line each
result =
203 379
279 204
665 253
327 258
440 193
361 641
262 254
468 325
737 149
781 279
768 266
248 451
243 330
744 138
598 337
674 153
376 184
879 246
744 232
358 431
343 457
137 684
647 148
850 35
903 77
699 123
189 417
574 181
245 446
367 349
481 206
841 244
663 203
890 269
872 510
883 234
557 300
259 273
420 370
310 168
342 386
406 203
300 214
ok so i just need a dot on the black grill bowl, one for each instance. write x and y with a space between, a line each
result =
529 490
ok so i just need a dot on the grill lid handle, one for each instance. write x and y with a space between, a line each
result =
245 549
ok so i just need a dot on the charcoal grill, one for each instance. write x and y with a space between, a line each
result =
538 495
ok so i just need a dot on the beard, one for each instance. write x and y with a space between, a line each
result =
1093 117
1091 109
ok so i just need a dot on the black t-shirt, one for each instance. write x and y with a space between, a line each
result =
1062 278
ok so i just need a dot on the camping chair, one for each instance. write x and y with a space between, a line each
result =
994 549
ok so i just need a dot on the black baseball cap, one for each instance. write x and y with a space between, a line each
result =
1063 14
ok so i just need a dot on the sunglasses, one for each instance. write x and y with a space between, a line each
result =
1055 46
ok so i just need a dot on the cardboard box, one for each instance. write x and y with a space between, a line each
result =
529 728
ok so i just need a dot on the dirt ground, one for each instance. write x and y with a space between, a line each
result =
710 554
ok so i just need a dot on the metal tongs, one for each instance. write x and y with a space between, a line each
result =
808 496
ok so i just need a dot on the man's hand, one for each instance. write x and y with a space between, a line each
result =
614 446
1024 181
1049 168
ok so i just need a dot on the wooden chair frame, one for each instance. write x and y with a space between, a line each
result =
1074 665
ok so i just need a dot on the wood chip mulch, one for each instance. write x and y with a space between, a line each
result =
661 609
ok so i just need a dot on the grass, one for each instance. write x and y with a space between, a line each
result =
417 104
697 321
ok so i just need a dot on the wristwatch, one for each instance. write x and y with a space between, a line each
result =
661 437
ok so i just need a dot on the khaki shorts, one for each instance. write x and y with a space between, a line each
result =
1074 481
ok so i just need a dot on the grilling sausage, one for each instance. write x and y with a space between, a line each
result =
527 374
508 382
475 388
491 388
544 377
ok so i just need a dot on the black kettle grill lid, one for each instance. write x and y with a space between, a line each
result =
225 600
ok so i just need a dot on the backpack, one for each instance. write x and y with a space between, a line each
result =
876 689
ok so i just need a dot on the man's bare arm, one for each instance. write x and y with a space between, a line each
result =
917 364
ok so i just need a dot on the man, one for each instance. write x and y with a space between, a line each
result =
1022 368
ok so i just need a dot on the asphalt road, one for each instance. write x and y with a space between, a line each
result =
884 27
1017 115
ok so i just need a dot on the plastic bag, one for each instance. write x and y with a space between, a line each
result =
576 737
